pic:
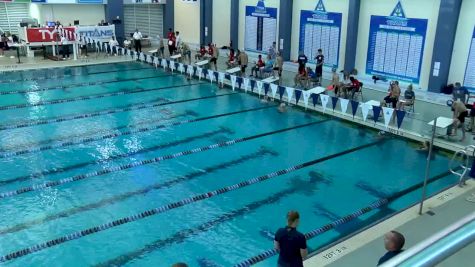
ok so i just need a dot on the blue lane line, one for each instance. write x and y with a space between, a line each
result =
174 205
97 131
57 170
97 96
146 162
122 197
69 75
82 141
79 85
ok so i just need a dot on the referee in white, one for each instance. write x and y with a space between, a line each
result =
137 41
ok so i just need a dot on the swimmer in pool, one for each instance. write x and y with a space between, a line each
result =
265 99
282 108
425 146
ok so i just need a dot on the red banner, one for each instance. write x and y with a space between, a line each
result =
35 35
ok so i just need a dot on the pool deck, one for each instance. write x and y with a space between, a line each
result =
364 248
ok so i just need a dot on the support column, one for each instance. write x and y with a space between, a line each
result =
352 35
114 9
285 28
206 21
449 12
234 37
168 17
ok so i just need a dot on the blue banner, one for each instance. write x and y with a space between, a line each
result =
281 92
354 106
469 80
320 30
334 102
396 46
400 117
260 27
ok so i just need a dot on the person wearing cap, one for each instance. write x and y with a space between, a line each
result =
290 243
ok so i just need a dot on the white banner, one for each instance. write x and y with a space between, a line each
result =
190 71
211 75
199 72
156 62
273 88
324 99
388 114
221 77
344 104
290 92
181 68
164 63
365 110
172 65
102 33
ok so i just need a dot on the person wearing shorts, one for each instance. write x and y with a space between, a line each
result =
214 56
320 60
244 60
460 112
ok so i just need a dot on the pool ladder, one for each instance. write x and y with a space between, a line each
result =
464 168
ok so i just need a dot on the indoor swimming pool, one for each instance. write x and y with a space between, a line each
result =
127 165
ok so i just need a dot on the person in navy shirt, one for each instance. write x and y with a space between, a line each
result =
290 243
393 242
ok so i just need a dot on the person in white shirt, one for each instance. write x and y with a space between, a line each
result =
127 43
113 45
178 40
137 41
64 47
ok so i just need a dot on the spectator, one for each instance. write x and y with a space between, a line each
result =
279 64
301 78
319 68
186 52
214 56
113 45
259 64
127 43
354 86
335 82
171 44
137 36
3 45
268 66
177 39
302 60
460 112
461 93
272 51
244 60
201 53
231 59
393 96
64 47
393 242
290 243
409 97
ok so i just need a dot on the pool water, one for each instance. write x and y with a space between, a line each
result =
102 125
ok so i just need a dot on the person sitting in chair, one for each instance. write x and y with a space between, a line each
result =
354 87
268 66
393 96
409 98
301 78
201 53
258 66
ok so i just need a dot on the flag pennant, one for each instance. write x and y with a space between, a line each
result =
199 72
211 75
324 99
354 107
233 82
334 102
164 63
314 99
266 88
246 84
376 113
281 92
298 95
172 65
290 92
259 87
344 104
253 84
221 78
388 114
181 68
216 76
306 96
400 114
239 81
365 110
274 88
191 71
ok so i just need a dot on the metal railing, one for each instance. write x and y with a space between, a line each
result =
465 155
438 247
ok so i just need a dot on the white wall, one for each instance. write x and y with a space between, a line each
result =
68 13
337 6
463 39
222 22
242 16
423 9
187 21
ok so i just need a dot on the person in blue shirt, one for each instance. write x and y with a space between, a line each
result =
268 67
393 242
461 93
290 243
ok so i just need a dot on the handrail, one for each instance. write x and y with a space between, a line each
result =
465 153
438 247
